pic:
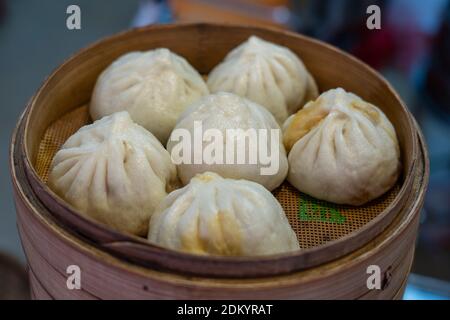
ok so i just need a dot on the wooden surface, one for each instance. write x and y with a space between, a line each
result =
204 45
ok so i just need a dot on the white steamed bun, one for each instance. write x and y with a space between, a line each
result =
266 73
224 111
153 86
219 216
342 149
115 172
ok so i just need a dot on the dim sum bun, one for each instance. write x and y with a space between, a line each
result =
216 216
115 172
222 112
154 87
342 149
266 73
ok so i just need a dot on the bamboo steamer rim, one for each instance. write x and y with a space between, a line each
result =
106 259
287 262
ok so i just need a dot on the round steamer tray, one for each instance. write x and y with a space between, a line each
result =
50 248
325 231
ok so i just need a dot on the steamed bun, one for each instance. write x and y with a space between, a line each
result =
225 217
342 149
222 112
153 86
115 172
266 73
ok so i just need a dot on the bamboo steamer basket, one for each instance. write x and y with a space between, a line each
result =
335 256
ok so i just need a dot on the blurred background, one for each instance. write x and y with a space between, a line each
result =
412 50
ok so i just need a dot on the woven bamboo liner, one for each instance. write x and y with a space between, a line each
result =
314 221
